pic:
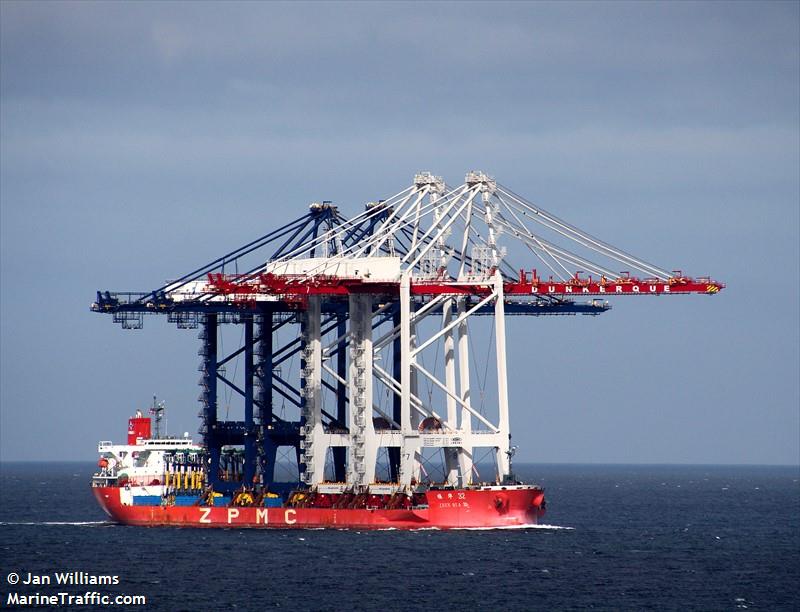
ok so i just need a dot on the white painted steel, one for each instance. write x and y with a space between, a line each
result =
314 439
424 217
363 443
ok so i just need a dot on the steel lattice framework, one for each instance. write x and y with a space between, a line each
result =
371 296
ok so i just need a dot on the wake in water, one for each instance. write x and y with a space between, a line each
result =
105 523
509 527
498 528
62 523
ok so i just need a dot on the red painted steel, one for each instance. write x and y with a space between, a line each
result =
447 509
246 287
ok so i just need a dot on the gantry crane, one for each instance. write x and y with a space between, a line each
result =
372 296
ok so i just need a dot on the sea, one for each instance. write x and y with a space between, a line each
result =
615 537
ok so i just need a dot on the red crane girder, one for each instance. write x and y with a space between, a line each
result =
246 287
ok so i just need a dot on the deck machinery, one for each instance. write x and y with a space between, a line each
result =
371 297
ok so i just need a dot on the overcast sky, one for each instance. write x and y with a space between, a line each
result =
141 139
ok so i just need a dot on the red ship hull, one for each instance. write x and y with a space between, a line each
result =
447 509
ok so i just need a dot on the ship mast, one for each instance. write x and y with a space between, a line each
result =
159 412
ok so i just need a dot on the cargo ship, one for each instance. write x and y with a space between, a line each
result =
370 347
153 481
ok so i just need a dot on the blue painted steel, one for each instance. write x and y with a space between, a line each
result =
146 500
267 447
208 397
340 452
232 256
294 240
394 452
249 424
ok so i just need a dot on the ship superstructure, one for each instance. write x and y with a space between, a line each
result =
391 405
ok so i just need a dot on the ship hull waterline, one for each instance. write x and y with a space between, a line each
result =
447 509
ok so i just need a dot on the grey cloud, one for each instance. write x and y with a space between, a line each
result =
139 139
